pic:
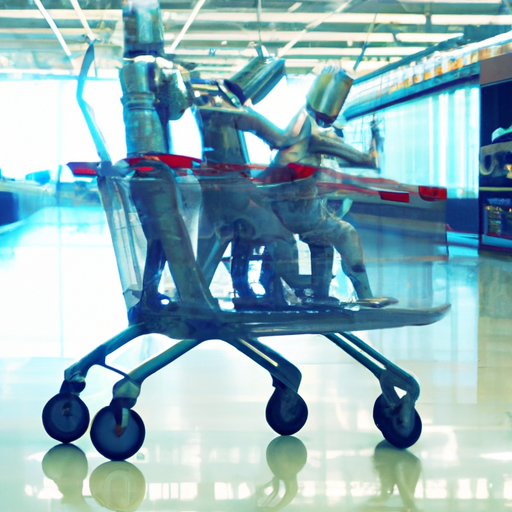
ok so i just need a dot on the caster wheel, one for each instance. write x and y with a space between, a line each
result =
110 441
392 428
286 412
65 417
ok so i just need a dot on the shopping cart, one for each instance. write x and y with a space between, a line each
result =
188 309
153 205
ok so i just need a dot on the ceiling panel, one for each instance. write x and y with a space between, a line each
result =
219 36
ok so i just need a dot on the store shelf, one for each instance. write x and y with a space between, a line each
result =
464 74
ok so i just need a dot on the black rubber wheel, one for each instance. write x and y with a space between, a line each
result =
65 417
392 429
110 441
286 412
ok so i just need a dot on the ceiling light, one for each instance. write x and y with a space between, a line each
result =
366 66
63 14
300 63
452 1
42 31
283 36
388 51
53 26
83 20
189 22
196 52
471 19
409 37
302 17
354 52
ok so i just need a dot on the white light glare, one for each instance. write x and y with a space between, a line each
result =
503 456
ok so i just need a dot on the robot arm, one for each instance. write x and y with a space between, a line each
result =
247 120
330 144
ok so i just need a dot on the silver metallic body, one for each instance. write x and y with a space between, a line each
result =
304 213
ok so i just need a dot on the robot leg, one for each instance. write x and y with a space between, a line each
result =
348 244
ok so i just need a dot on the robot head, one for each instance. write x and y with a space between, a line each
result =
143 28
327 95
256 79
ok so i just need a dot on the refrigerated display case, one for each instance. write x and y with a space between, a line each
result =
495 177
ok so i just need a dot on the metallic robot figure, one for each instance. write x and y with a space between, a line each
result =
154 92
307 139
305 213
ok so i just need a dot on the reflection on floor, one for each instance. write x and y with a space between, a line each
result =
208 447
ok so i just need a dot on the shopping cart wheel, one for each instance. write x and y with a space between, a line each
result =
111 440
286 411
65 417
393 430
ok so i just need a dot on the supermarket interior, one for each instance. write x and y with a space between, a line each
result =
320 187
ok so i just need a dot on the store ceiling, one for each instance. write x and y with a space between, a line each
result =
219 36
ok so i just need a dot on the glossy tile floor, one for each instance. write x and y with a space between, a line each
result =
208 447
